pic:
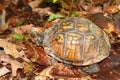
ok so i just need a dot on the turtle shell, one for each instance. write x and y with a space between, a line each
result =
76 41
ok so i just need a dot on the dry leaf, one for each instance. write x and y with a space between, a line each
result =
6 59
35 3
44 75
36 54
1 8
4 27
11 49
15 2
43 11
110 28
3 71
42 59
49 74
28 68
3 18
113 9
23 29
15 65
13 22
90 8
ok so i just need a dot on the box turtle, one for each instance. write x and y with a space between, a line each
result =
76 41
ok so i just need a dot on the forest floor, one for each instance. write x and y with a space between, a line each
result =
22 22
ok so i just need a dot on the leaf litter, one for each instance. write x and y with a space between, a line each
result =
21 58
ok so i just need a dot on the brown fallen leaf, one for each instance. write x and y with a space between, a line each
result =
60 72
100 20
43 11
116 21
15 2
67 5
35 3
9 48
12 49
113 9
1 8
63 71
36 54
44 75
107 75
110 28
92 9
3 18
3 71
4 27
42 56
15 65
12 22
24 29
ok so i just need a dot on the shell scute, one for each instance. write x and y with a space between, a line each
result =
73 50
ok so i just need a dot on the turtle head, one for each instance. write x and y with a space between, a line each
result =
37 38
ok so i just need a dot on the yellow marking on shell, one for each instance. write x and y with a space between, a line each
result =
66 26
54 45
73 46
73 38
67 23
97 31
102 44
70 55
57 44
82 27
90 37
77 52
89 46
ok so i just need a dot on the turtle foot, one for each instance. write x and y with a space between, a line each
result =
91 68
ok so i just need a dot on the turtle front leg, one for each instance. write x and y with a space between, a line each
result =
93 68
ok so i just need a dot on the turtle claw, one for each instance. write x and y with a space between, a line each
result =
91 68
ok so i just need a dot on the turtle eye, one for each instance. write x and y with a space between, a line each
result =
33 36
